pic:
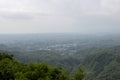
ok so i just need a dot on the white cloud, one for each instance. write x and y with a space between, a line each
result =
58 15
64 7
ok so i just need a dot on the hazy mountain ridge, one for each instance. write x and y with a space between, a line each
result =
68 52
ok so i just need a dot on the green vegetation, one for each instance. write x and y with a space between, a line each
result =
98 56
102 65
10 69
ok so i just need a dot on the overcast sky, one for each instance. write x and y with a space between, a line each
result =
59 16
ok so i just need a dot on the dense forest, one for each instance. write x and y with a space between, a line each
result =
66 57
11 69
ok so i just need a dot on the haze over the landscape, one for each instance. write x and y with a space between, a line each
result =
59 16
59 39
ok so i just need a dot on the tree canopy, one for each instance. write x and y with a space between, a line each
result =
11 69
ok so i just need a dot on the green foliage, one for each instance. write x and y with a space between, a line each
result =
78 75
4 55
102 65
110 72
10 69
20 76
67 53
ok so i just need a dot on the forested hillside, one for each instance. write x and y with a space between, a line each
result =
11 69
59 39
102 65
97 56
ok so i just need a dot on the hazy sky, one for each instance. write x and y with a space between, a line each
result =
41 16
